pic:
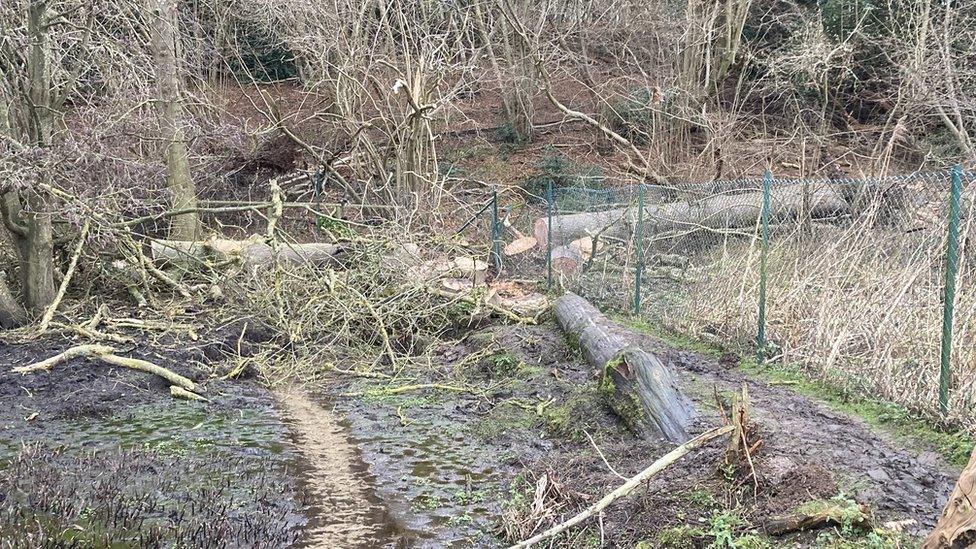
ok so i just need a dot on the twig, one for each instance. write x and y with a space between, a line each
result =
605 462
630 485
104 354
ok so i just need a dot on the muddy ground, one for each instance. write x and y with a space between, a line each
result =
94 455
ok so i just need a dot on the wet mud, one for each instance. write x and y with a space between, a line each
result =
95 456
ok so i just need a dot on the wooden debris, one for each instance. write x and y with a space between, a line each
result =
252 251
520 245
179 392
957 525
566 259
104 353
829 515
720 211
587 247
472 269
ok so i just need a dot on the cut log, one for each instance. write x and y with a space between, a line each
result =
252 251
637 385
957 525
569 227
587 247
472 269
727 211
566 259
519 245
722 211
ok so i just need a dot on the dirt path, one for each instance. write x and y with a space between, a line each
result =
898 482
346 511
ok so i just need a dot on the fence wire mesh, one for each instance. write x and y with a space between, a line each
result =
854 280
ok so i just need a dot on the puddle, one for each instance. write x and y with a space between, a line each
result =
439 482
346 511
377 483
154 472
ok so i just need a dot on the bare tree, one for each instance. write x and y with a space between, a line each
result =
179 181
33 102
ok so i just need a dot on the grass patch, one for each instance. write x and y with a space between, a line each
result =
680 341
507 417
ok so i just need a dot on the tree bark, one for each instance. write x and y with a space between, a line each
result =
722 211
957 526
11 313
37 263
178 180
637 385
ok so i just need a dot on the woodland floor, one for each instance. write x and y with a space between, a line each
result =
311 467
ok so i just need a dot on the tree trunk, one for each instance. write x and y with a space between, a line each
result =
639 388
178 179
11 313
722 211
957 526
37 265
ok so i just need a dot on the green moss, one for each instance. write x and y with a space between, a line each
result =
628 407
573 342
508 365
852 532
675 537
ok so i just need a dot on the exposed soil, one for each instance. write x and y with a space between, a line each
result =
501 442
111 458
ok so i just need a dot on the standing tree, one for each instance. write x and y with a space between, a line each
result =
31 104
182 190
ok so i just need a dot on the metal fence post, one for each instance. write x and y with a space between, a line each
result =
639 242
496 232
761 331
949 293
549 208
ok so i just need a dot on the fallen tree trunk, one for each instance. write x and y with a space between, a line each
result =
722 211
957 525
565 228
250 252
831 515
639 388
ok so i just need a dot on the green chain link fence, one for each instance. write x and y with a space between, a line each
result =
863 281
